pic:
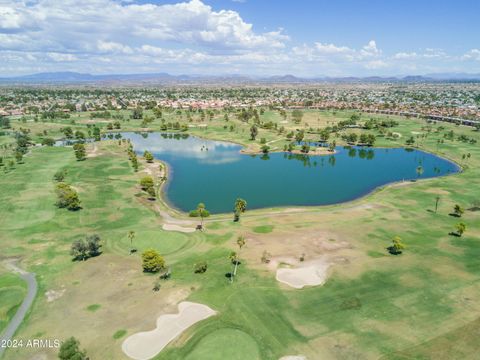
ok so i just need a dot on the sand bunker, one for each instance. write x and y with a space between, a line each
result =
173 227
301 274
293 357
145 345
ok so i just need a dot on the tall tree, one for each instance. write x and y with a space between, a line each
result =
80 152
131 236
437 200
239 208
70 350
241 243
253 132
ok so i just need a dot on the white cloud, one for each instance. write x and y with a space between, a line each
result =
370 50
331 49
113 47
189 36
405 55
60 57
473 54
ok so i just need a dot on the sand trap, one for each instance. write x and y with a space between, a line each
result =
397 134
293 357
173 227
145 345
308 273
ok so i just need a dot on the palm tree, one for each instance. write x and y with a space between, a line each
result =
234 260
201 212
437 199
240 207
241 243
131 236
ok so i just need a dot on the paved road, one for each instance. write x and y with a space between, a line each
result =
32 288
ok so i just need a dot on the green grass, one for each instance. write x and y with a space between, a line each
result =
12 292
119 334
407 306
224 344
93 307
263 229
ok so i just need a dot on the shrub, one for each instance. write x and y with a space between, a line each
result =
67 197
200 267
152 261
60 175
70 350
48 141
86 248
146 182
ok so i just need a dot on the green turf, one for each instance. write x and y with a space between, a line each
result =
225 344
263 229
12 292
409 305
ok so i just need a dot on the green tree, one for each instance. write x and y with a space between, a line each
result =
146 182
458 210
70 350
253 132
202 212
239 208
80 152
297 116
152 261
460 228
86 248
79 250
397 246
148 156
67 197
241 243
59 176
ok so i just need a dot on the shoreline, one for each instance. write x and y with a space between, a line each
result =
170 208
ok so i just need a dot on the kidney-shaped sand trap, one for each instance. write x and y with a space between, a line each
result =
310 273
145 345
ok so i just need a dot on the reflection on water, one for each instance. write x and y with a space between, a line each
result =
216 173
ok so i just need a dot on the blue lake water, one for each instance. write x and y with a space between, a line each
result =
216 173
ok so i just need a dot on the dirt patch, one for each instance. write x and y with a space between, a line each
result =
53 295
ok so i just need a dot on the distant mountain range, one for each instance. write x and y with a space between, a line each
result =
164 78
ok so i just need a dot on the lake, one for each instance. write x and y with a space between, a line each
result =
216 173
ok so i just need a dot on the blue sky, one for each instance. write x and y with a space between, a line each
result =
257 37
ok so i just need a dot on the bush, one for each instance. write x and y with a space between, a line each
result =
70 350
60 175
48 141
200 267
67 197
146 182
152 261
80 152
87 248
148 156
